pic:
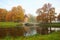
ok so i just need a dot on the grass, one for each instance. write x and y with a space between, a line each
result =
52 36
50 25
9 24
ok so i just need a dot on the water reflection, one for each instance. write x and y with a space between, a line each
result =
32 32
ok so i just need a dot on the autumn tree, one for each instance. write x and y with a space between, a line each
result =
58 17
3 13
46 14
9 17
20 14
16 14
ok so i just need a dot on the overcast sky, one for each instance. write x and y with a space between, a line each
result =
30 6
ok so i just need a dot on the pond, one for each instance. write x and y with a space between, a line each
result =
54 29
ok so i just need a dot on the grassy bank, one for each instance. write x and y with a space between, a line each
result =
52 36
50 25
9 24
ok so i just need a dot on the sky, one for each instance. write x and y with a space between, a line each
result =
30 6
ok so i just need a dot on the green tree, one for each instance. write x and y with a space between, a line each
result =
31 18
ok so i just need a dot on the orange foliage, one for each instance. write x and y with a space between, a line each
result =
16 14
3 13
